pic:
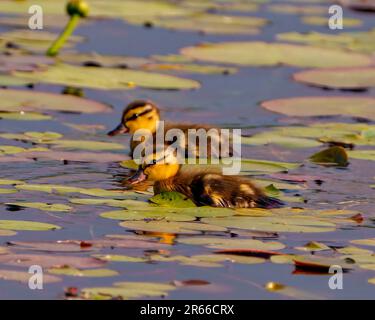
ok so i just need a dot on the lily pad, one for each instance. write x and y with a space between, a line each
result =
56 207
86 145
290 291
323 106
353 41
273 224
247 54
27 225
172 199
69 271
365 242
338 78
255 165
313 246
24 277
21 100
296 9
128 290
171 227
24 116
229 243
119 258
107 78
336 156
362 154
266 138
148 214
323 21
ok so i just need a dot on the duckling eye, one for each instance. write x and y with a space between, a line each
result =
154 161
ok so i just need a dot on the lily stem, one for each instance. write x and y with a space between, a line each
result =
60 41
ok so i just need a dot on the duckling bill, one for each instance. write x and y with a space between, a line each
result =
205 187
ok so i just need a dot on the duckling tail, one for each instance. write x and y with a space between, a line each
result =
269 202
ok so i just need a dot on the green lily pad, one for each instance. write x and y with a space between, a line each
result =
57 207
24 116
118 258
26 225
362 154
8 80
7 191
171 227
172 199
35 41
6 182
229 243
313 246
365 242
214 258
323 106
107 78
189 68
86 145
24 277
49 188
353 41
22 100
128 290
247 54
290 291
338 78
69 271
273 224
297 9
323 21
266 138
147 214
255 165
336 156
7 233
354 250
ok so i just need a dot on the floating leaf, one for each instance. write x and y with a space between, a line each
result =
24 277
354 41
10 182
49 188
24 116
26 225
170 227
296 9
189 68
354 250
107 78
7 233
172 199
147 214
57 207
128 290
362 154
8 80
290 292
320 263
273 224
365 242
336 156
313 246
228 258
69 271
323 21
21 100
323 106
50 261
254 165
267 138
229 243
338 78
86 145
7 191
118 258
53 246
246 54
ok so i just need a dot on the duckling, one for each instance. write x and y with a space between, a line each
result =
143 114
205 187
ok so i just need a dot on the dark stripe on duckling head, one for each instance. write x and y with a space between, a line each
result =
140 103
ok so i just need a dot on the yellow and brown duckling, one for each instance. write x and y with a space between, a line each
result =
206 187
143 114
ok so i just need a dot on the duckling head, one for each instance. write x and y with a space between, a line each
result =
139 114
156 167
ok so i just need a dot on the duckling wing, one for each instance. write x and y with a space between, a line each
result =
217 190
